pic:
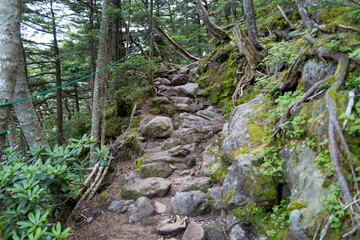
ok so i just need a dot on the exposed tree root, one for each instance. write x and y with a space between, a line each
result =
290 109
244 82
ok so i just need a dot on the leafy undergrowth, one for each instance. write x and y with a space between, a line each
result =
36 188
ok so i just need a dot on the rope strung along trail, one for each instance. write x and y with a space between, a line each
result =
78 80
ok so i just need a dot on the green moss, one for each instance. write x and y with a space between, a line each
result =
229 195
295 205
104 197
162 172
138 163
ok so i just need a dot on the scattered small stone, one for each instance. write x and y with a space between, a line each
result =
89 219
194 231
115 205
124 209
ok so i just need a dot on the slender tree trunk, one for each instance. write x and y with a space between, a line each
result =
214 29
59 95
11 134
9 47
251 23
102 61
92 44
25 111
310 20
77 105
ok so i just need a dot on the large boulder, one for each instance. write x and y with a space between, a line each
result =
156 169
190 121
210 114
180 79
315 70
162 156
214 232
189 90
215 197
148 187
212 157
189 203
142 208
237 126
130 149
307 183
245 182
201 183
167 227
159 127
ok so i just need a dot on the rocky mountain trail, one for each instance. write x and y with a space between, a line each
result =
158 189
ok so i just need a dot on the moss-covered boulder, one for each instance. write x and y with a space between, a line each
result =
201 183
239 127
159 127
148 187
212 157
130 149
157 169
307 186
245 182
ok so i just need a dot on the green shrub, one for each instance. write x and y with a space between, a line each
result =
32 184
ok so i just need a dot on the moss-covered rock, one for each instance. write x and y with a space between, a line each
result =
245 182
157 169
130 149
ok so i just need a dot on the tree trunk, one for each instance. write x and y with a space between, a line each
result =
25 111
177 46
246 47
214 29
251 23
11 134
9 48
59 97
92 44
310 20
102 61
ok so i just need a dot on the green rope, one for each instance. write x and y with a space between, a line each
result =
78 80
3 132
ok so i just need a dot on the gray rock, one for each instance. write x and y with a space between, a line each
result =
160 101
89 219
189 90
182 107
162 156
237 126
128 202
215 196
130 149
162 81
196 107
130 177
144 122
187 120
201 183
189 135
160 127
183 100
245 182
148 187
179 151
315 70
160 208
189 203
212 157
210 114
168 92
214 232
237 233
190 161
194 231
171 228
294 217
183 70
115 205
156 169
170 143
142 208
179 79
193 65
306 183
